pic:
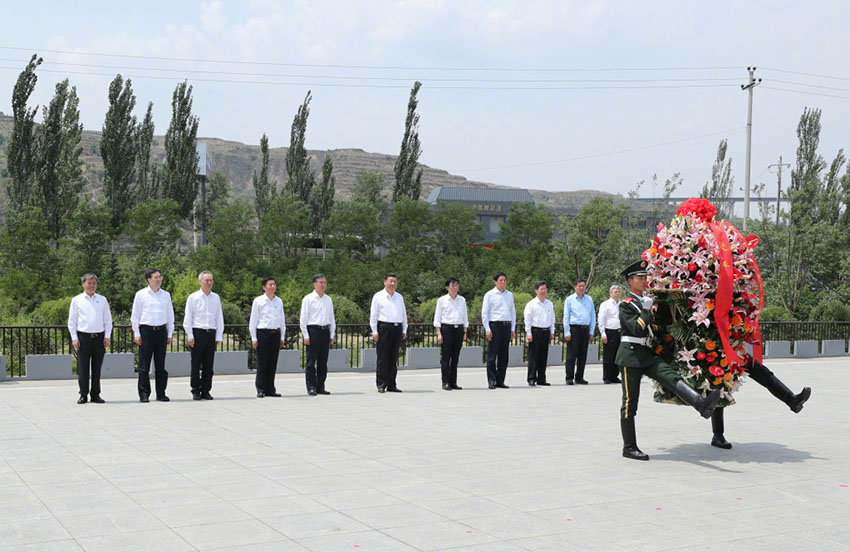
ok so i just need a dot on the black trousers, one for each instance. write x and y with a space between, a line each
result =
497 352
386 367
609 351
203 357
268 350
538 355
154 345
316 371
450 351
577 352
89 361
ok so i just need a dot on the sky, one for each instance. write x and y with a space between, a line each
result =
553 95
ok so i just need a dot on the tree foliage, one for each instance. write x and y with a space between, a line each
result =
719 190
180 182
323 200
147 178
264 190
285 227
408 181
21 152
118 144
300 177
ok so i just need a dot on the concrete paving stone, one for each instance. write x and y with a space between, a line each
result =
162 540
435 536
283 545
363 541
230 534
314 525
53 546
531 469
395 515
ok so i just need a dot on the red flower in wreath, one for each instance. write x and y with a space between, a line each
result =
702 208
716 371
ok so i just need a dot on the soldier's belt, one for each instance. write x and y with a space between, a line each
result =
636 340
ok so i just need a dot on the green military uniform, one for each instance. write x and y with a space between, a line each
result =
637 359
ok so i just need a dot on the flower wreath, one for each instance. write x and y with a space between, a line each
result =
709 297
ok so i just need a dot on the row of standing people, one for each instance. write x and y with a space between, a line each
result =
152 320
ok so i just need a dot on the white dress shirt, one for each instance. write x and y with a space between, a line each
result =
539 314
152 309
203 311
89 314
267 314
609 316
317 311
387 308
498 305
451 311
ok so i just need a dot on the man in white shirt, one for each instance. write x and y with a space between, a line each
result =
451 320
203 323
152 319
90 325
318 326
268 327
539 317
388 320
498 316
608 321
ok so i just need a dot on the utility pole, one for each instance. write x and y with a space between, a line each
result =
749 87
778 183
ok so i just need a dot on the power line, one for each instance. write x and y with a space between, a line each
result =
368 78
806 92
596 155
381 67
807 74
355 85
810 85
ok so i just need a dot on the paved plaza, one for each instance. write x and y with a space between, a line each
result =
474 470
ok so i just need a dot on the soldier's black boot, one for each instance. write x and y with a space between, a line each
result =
781 392
630 448
703 405
760 374
718 440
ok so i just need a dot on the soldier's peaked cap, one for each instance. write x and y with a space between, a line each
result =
636 268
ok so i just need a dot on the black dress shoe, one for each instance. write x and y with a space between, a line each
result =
616 380
97 399
491 386
273 394
323 392
607 381
382 389
206 396
502 386
720 441
532 384
447 387
581 382
634 453
196 396
570 382
312 392
163 398
543 383
456 387
144 398
82 400
260 394
393 389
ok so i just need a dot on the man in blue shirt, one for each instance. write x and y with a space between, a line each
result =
579 325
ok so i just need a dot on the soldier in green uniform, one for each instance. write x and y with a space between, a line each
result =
636 359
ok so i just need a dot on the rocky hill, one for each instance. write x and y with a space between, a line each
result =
239 161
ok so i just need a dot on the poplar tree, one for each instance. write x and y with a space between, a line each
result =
59 166
180 181
118 149
408 181
20 160
300 178
147 182
324 196
264 190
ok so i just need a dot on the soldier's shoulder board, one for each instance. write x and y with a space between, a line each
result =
627 300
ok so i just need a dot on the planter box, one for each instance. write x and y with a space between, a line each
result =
831 347
806 349
3 376
471 356
338 360
289 362
778 349
231 363
118 365
49 367
423 357
176 364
